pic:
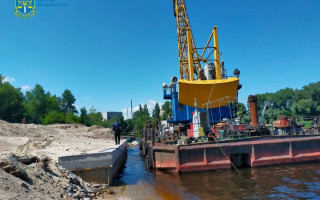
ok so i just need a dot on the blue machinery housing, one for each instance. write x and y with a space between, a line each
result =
182 113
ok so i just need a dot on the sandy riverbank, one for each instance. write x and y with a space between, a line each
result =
28 161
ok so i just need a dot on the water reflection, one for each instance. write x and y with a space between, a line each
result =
135 171
299 181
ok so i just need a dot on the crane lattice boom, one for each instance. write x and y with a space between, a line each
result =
189 60
201 83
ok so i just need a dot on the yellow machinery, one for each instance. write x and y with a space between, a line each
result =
196 89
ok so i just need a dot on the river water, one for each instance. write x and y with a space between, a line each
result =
295 181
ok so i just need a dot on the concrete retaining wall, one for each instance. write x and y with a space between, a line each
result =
110 159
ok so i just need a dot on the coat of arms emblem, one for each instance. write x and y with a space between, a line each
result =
25 8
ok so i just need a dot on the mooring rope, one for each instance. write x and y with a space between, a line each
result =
225 154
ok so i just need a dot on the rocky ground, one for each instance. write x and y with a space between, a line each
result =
28 161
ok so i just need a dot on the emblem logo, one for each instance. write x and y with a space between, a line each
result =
25 8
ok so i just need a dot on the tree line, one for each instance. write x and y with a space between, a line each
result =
303 103
142 115
41 107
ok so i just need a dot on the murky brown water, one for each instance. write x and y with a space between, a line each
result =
298 181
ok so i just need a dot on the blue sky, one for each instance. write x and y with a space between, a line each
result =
108 52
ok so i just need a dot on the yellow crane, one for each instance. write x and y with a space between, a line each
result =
202 84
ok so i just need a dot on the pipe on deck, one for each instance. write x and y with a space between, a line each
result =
252 99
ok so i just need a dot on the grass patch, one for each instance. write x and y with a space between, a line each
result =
307 124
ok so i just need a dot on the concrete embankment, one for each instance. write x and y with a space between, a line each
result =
97 166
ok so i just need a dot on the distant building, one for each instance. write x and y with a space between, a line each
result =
109 115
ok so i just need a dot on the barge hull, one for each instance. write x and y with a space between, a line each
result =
254 152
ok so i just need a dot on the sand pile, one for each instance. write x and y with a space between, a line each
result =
28 160
53 140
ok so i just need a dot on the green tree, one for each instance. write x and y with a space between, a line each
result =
242 112
306 107
156 112
129 126
94 117
53 103
140 118
140 109
11 99
307 100
283 99
145 109
84 119
167 111
289 102
67 102
54 116
37 104
311 91
71 118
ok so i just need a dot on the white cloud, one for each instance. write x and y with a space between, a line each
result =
86 97
150 104
77 107
8 79
26 87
